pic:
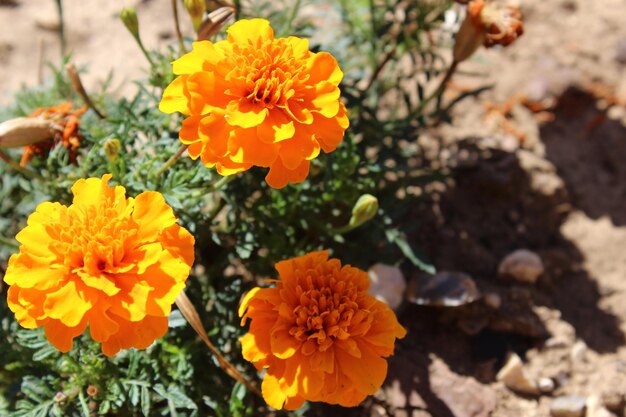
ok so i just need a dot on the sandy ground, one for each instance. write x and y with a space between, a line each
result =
96 39
552 181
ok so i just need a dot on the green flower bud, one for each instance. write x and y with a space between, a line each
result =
196 10
128 15
112 149
364 209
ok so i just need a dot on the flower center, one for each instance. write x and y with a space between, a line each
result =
326 310
92 239
271 73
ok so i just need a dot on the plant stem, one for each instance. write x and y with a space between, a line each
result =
24 171
61 28
179 35
77 84
9 242
440 89
217 185
193 318
172 160
143 49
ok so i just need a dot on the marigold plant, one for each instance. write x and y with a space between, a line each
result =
318 333
69 136
107 261
256 100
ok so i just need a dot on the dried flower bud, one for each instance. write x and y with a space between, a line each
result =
488 23
112 149
24 131
364 209
502 23
129 17
196 10
214 22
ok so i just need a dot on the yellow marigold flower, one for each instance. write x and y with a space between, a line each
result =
318 333
107 261
256 100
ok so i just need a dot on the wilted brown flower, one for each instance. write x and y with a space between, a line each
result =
487 23
63 116
502 23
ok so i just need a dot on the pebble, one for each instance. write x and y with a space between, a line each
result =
613 400
387 284
446 289
568 406
522 265
579 350
596 409
546 385
493 300
514 377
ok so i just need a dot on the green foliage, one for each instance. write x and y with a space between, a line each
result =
243 228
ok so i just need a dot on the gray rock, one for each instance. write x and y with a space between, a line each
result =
568 406
448 289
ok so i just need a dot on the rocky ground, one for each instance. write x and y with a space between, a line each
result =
539 163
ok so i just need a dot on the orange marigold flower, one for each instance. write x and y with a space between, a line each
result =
69 136
107 261
318 333
256 100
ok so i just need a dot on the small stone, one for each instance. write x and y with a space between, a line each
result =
613 400
493 300
596 409
378 410
522 265
448 289
568 406
579 350
514 377
546 385
387 284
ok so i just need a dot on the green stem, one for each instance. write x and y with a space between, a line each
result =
61 28
172 160
9 242
143 49
440 89
24 171
179 35
219 184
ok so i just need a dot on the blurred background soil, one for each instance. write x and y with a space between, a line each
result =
539 165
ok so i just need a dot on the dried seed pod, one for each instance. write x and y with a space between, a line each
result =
214 22
24 131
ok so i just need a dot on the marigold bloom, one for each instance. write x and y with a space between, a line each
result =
107 261
256 100
318 333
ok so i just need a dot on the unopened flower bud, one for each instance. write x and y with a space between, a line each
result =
214 22
112 149
24 131
196 10
128 15
364 209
